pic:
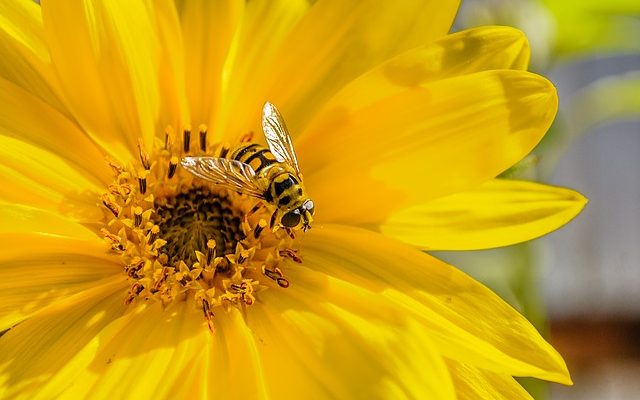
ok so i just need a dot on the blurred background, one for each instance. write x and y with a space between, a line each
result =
581 284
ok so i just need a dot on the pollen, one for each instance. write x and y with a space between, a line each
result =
183 239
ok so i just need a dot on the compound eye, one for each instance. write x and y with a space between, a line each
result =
291 219
309 206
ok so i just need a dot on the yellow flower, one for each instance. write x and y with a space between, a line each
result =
400 131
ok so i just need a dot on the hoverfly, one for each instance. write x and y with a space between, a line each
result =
270 174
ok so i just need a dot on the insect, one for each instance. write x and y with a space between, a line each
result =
270 174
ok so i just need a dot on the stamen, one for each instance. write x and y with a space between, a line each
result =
224 149
173 166
120 190
203 138
292 254
240 288
259 228
111 205
168 138
135 290
115 240
144 156
186 139
254 209
137 214
133 267
211 250
142 183
208 314
276 275
155 229
117 168
242 257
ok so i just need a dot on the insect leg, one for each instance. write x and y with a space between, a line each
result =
272 224
291 234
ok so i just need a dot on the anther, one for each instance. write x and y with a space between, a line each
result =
116 241
203 138
111 205
133 267
224 150
144 156
208 315
239 287
186 139
168 138
173 166
114 190
259 228
211 250
276 275
165 274
137 216
117 168
255 209
290 253
242 258
153 235
142 182
135 290
121 190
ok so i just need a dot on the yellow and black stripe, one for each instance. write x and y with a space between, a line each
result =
253 154
283 187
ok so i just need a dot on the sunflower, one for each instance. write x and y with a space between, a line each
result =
122 276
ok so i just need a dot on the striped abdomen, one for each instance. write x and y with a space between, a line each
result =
282 187
253 154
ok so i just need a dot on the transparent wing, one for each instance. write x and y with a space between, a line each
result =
277 135
231 174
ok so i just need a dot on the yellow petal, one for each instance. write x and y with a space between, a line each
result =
51 131
38 178
333 339
40 347
21 219
466 321
335 41
173 70
163 353
208 29
39 269
45 257
108 56
461 53
264 26
24 53
500 212
141 355
472 384
423 142
233 358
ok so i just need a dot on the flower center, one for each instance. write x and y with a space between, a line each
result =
182 239
190 219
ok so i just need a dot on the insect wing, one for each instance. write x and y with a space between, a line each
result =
231 174
277 135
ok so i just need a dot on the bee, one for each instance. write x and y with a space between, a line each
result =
271 174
